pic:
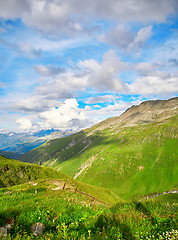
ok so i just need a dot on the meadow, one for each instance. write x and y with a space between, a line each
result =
130 161
66 214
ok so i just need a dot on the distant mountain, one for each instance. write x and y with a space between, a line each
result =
44 133
24 142
12 155
133 154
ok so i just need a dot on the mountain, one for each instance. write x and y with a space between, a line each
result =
24 142
44 133
134 154
12 155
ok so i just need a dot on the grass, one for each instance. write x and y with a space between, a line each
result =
13 172
69 215
130 161
28 204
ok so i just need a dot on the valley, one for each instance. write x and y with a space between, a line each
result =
104 182
133 154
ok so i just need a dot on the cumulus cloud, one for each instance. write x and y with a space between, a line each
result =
104 76
67 16
146 68
90 74
70 116
160 83
121 36
24 123
67 116
100 76
35 104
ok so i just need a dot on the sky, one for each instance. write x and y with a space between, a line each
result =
68 64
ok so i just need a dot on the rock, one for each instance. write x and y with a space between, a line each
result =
3 231
37 229
8 192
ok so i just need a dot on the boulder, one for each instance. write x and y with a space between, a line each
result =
37 229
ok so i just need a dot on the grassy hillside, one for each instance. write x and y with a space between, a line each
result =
31 194
13 172
135 161
69 215
133 155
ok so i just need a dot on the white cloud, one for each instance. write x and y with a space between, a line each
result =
158 84
104 76
39 43
101 99
91 74
67 116
24 123
152 81
121 36
145 68
111 110
70 116
35 104
142 35
66 16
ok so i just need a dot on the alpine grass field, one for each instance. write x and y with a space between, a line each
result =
67 214
98 183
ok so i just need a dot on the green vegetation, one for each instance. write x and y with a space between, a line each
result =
131 161
69 215
133 156
13 172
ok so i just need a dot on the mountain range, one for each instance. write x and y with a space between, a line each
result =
133 154
24 142
115 180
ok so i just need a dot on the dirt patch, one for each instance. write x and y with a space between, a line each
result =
141 168
53 162
61 185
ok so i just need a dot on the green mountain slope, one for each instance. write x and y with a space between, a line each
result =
13 172
134 154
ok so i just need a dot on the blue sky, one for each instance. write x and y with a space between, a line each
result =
70 64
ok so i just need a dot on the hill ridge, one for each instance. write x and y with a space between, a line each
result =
130 149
